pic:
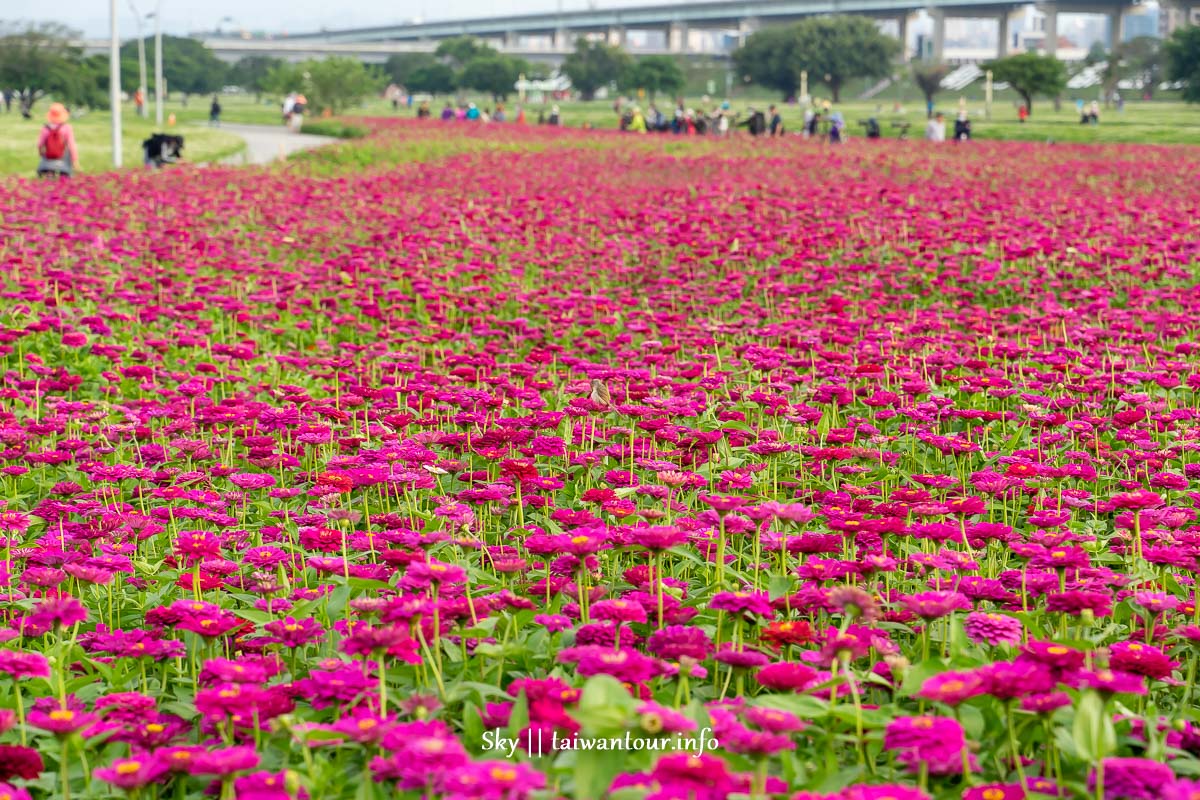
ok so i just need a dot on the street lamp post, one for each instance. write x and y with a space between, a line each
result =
158 69
137 18
114 81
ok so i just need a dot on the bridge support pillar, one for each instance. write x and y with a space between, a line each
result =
616 36
511 40
902 35
939 33
1002 35
677 37
1115 31
1050 47
746 28
562 39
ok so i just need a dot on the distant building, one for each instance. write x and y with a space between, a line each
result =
1170 18
1142 22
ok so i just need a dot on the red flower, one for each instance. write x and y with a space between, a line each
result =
19 762
336 480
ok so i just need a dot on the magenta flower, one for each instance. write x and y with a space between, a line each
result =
786 676
53 614
952 688
625 611
224 762
18 665
1133 778
993 629
132 773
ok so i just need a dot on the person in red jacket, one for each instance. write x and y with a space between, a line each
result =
56 144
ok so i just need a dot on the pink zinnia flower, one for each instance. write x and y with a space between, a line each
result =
132 773
994 629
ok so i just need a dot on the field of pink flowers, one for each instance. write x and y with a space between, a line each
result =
497 464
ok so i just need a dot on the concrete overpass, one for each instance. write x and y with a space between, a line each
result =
231 50
684 30
739 17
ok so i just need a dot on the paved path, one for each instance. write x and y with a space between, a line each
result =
265 143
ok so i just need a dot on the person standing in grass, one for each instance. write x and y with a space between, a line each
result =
296 121
776 123
214 113
637 123
935 129
56 144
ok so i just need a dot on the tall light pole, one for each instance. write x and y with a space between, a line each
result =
137 18
114 81
158 72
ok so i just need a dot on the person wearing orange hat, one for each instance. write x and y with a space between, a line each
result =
297 117
56 144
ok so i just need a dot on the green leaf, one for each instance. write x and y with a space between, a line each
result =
628 793
472 723
488 649
803 706
518 720
605 706
595 771
871 717
916 675
1093 731
780 586
605 690
255 616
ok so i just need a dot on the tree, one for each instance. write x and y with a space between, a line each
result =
283 78
435 79
1030 74
399 67
1095 54
927 75
594 65
770 58
831 49
654 74
251 73
1139 58
1183 60
461 50
188 66
337 83
495 74
37 60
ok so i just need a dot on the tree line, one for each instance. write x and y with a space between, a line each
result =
39 60
833 50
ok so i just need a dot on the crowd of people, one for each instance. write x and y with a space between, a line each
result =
820 121
470 112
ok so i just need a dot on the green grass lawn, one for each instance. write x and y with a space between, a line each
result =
18 141
1159 121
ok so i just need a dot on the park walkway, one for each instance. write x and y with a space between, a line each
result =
266 143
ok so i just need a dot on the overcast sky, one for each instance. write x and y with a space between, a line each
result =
185 16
